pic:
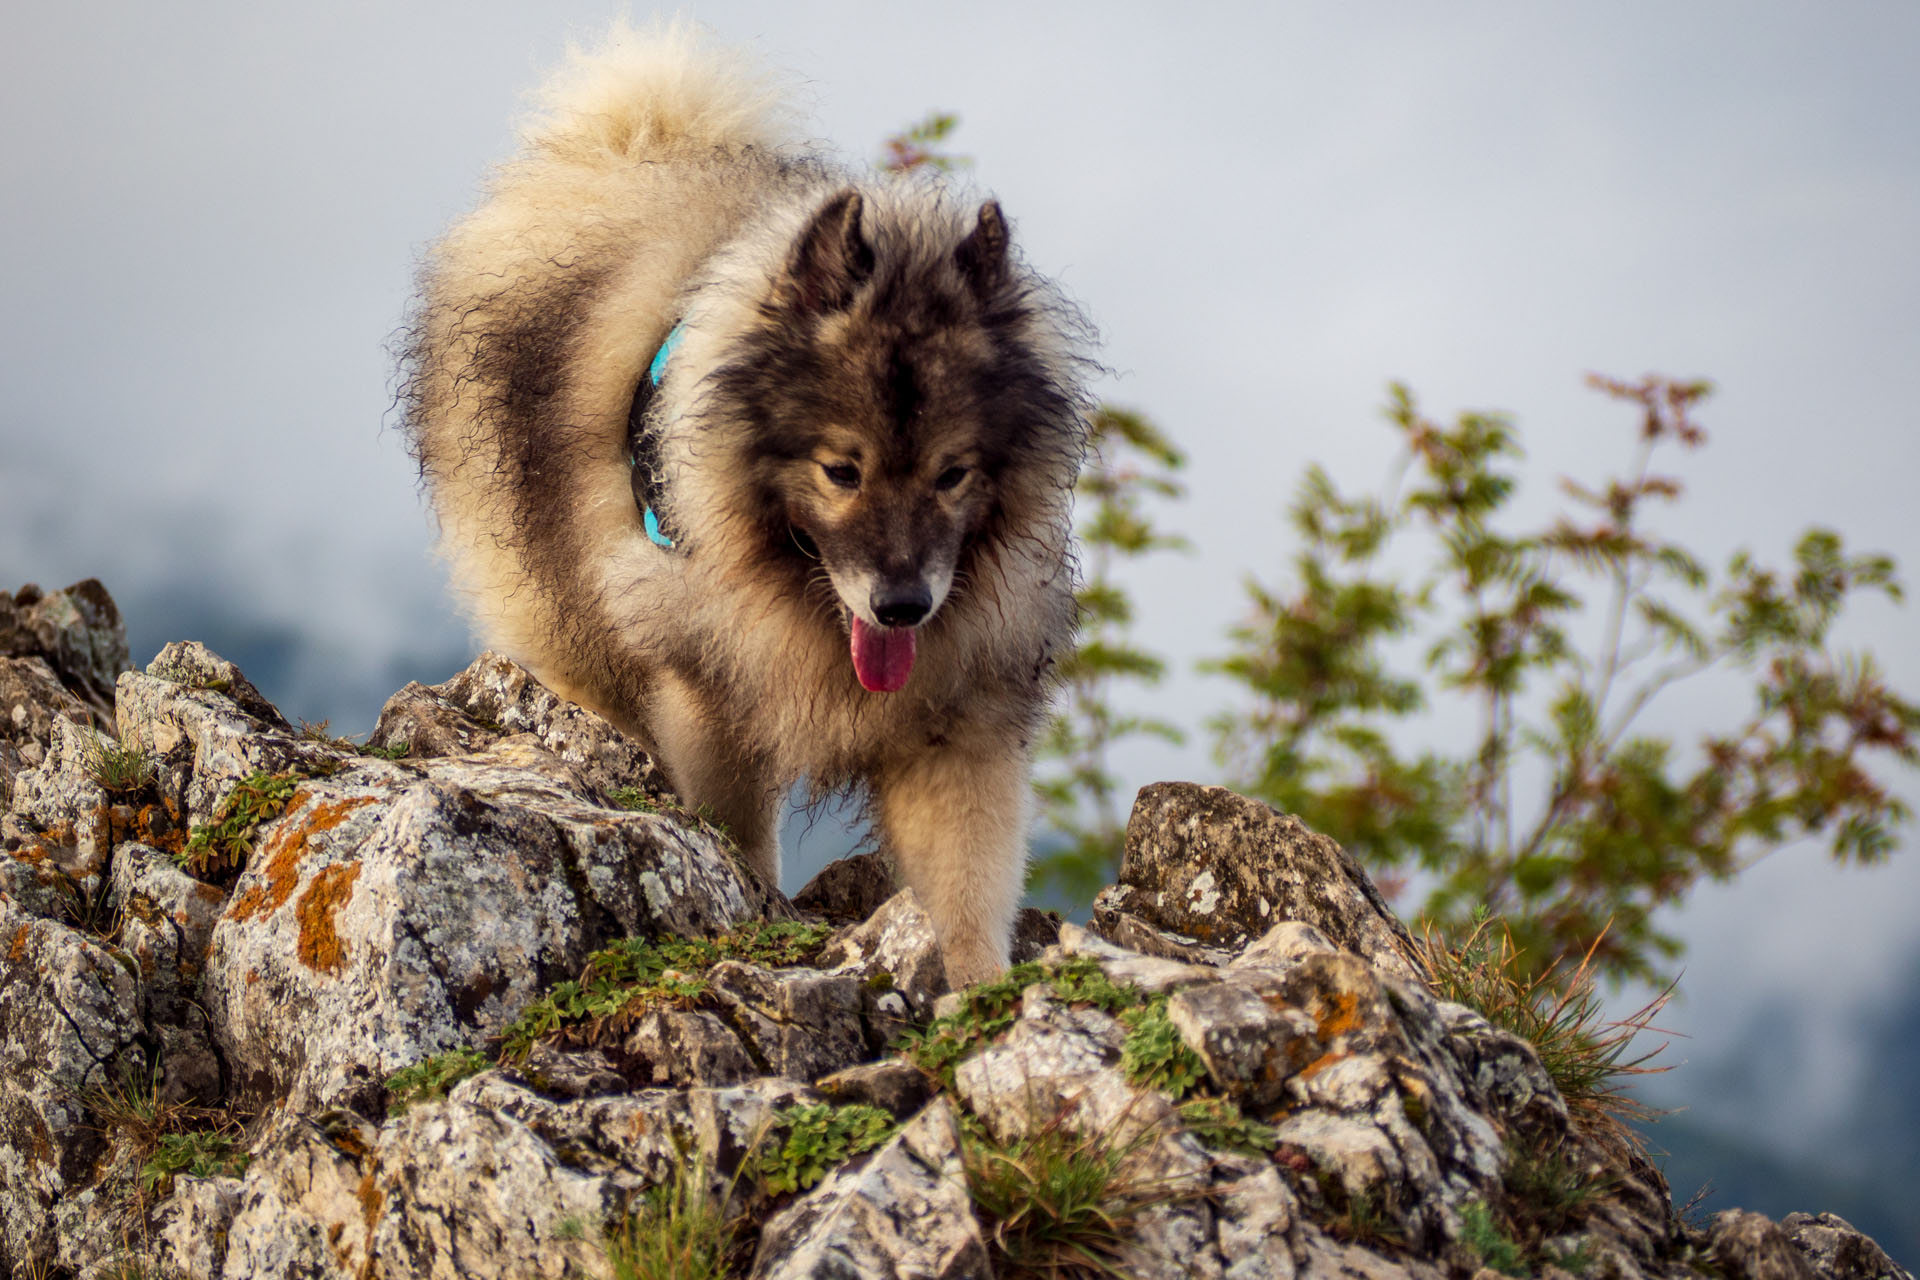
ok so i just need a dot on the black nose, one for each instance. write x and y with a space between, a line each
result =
901 606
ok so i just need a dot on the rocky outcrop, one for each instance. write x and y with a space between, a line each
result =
476 998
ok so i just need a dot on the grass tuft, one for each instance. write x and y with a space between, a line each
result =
681 1231
1560 1013
119 767
1056 1203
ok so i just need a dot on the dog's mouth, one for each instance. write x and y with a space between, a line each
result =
882 656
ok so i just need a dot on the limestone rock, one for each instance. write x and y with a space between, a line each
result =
77 632
904 1211
1750 1246
31 700
386 918
496 698
1222 869
849 890
70 1041
1837 1251
896 959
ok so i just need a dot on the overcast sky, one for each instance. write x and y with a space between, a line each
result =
210 214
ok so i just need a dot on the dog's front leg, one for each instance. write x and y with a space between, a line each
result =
956 822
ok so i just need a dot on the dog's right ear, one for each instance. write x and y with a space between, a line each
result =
830 261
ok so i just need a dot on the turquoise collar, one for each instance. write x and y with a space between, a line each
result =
643 444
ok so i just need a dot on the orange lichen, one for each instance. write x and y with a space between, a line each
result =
1322 1062
320 946
1341 1015
281 855
158 825
18 950
370 1199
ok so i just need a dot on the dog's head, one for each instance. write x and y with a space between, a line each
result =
889 405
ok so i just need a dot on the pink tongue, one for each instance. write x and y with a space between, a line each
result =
882 656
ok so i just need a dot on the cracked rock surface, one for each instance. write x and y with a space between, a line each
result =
252 941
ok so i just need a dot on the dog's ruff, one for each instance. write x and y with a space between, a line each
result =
861 452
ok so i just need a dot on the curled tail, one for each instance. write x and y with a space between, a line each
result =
645 92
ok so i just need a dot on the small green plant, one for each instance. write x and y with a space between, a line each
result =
431 1079
1562 1016
625 980
1361 1217
989 1008
1154 1054
1055 1202
634 799
199 1154
398 749
1218 1124
681 1231
1491 1246
118 767
807 1141
224 843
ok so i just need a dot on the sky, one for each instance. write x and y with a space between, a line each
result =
211 216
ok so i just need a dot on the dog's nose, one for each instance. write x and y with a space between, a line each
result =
901 606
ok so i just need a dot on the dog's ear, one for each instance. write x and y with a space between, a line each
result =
831 259
982 256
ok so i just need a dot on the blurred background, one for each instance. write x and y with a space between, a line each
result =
211 216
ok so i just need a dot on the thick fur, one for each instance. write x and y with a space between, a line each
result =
831 322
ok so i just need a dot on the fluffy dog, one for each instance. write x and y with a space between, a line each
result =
769 463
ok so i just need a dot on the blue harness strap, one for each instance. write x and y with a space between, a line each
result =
643 446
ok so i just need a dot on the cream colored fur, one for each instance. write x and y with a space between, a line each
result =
658 172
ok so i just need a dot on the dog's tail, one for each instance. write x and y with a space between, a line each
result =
647 92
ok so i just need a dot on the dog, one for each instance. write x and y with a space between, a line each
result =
768 462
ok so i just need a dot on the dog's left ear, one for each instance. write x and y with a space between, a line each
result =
982 256
830 261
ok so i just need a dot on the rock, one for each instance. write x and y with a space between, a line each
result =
70 1051
795 1023
166 925
386 918
1749 1246
1837 1251
1223 869
684 1047
58 807
191 1226
893 1086
902 1212
1131 932
896 957
77 632
495 698
31 700
1033 932
849 890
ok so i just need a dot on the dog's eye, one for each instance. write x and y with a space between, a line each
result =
949 478
844 474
